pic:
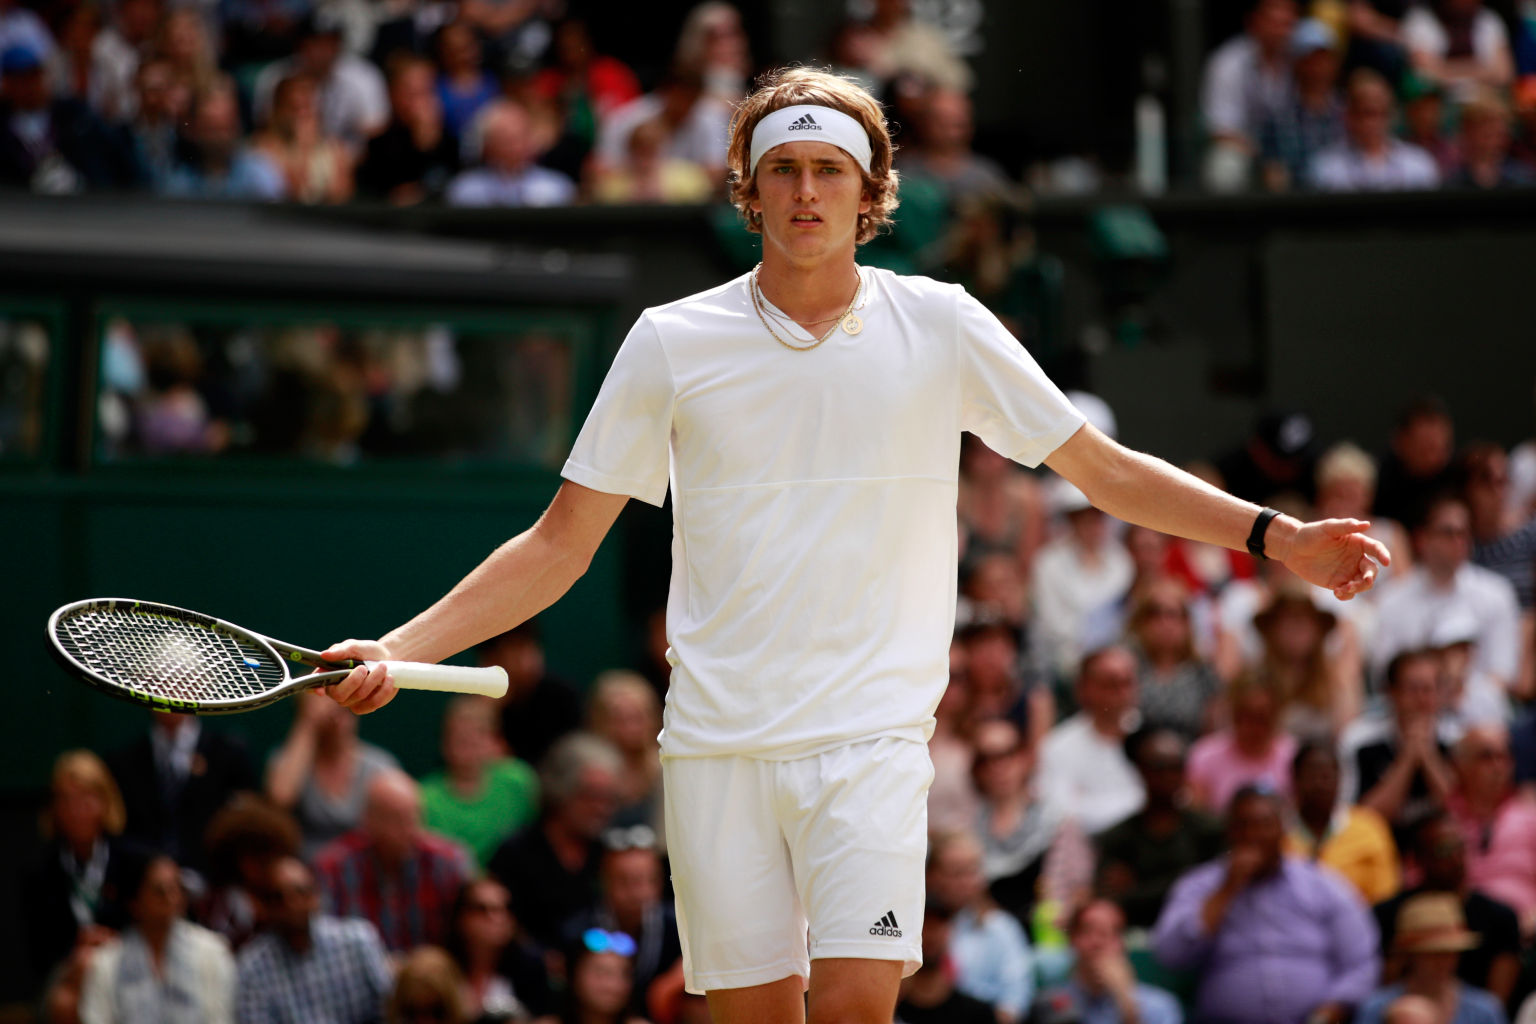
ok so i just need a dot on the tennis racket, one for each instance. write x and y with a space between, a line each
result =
172 659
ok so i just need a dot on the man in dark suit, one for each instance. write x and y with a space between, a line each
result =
174 779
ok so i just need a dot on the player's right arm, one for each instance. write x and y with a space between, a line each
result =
521 578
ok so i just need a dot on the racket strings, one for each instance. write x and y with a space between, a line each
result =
171 658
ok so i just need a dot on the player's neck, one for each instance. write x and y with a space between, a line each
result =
811 290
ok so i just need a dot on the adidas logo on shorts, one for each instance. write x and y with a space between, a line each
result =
886 926
806 123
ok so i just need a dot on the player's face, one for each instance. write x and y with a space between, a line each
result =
810 195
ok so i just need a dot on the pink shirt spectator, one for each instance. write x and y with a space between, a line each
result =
1501 859
1217 769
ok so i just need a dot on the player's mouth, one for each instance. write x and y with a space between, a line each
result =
805 219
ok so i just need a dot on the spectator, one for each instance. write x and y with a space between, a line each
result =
161 106
414 157
1251 749
941 152
78 888
600 969
184 41
1403 772
309 966
1354 841
517 30
540 708
163 969
428 987
391 871
1015 825
1486 160
1274 460
1083 767
1443 579
995 685
1073 575
21 27
243 841
122 46
1177 687
352 97
1498 823
929 995
499 975
482 795
649 175
713 45
1460 43
1369 158
631 902
1375 34
1312 661
322 771
1424 123
315 167
1140 858
212 161
1312 118
1468 696
1346 489
623 709
987 948
52 146
464 87
904 47
1246 80
88 72
579 781
507 146
174 779
1001 510
1417 466
1103 988
1439 857
697 126
1430 934
1503 534
1276 939
588 85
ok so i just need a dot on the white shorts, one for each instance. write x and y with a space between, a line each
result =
777 863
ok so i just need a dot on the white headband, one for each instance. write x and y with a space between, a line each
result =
808 123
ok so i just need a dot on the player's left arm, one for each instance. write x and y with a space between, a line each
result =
1143 489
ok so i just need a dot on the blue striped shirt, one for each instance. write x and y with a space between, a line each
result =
342 979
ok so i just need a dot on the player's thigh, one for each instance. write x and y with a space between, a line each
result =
777 1002
850 991
739 916
858 841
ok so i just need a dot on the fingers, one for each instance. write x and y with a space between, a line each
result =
364 689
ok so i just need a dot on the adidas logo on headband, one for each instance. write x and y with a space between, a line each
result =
806 122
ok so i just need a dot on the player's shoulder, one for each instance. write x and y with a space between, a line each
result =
728 295
913 287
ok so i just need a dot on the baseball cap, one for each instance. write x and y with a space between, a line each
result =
1310 36
18 59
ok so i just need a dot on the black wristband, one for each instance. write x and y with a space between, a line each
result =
1256 537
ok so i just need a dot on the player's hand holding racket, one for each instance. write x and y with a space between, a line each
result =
369 686
173 659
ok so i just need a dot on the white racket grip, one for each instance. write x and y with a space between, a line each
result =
415 675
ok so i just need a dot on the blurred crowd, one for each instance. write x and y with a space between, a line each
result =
511 103
1169 781
1372 95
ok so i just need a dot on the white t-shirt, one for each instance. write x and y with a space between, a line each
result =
813 497
1088 775
1411 606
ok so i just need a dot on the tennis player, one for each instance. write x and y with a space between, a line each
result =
807 418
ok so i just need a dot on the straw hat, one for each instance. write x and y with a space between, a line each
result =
1432 922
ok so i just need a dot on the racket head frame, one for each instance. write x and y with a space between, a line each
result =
282 657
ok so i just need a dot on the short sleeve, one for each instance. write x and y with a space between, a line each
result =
1005 398
1221 94
624 447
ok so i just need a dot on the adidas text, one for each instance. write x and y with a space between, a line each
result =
886 926
804 124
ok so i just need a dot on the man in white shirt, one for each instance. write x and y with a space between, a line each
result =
1074 575
1247 80
1083 767
1445 585
354 99
508 177
807 419
1370 158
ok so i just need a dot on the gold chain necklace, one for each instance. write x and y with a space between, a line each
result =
849 322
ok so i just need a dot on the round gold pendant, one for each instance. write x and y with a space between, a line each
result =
852 324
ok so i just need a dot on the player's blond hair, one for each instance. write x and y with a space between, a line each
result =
788 87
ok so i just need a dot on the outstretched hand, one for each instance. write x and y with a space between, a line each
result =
1337 554
365 689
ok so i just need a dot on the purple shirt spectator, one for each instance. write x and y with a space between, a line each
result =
1288 943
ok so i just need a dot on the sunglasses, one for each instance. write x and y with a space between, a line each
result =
596 940
635 837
